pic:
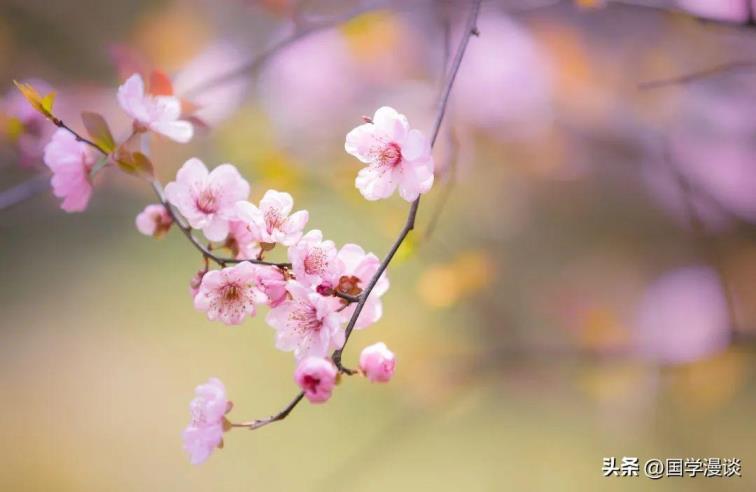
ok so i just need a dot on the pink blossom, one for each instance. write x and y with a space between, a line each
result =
307 324
70 161
724 10
154 220
315 261
271 222
358 269
377 362
229 294
396 156
683 317
205 432
241 241
272 282
157 113
205 199
27 128
317 377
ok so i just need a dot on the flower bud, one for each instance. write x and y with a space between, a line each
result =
317 377
377 363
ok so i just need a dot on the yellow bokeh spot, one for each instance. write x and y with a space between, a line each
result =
601 330
373 34
172 36
707 384
443 285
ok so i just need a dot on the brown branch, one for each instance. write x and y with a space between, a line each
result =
256 424
720 69
185 229
302 29
748 24
470 30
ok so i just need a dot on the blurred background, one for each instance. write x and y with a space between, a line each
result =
581 283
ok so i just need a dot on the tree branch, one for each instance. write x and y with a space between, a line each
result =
470 30
23 191
699 75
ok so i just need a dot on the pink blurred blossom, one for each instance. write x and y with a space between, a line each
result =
307 324
216 101
205 431
504 78
70 161
308 87
314 260
724 10
317 378
358 268
157 113
396 156
207 200
33 130
271 222
154 220
683 316
230 294
377 362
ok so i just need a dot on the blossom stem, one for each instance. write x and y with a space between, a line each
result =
256 424
470 30
187 231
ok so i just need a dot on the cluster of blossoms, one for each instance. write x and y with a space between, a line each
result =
312 298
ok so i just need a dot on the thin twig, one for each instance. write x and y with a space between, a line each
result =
256 424
302 30
722 68
470 30
23 191
185 229
749 23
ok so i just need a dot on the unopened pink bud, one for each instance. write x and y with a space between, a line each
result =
377 362
317 377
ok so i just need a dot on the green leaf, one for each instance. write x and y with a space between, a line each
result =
42 104
135 163
99 131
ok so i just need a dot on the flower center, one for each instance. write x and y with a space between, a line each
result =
231 292
306 318
310 383
273 219
390 155
207 202
315 261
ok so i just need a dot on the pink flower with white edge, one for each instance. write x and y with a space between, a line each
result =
229 294
271 222
396 157
154 220
205 431
314 261
317 377
207 199
241 242
70 161
377 363
159 114
358 269
307 324
272 282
